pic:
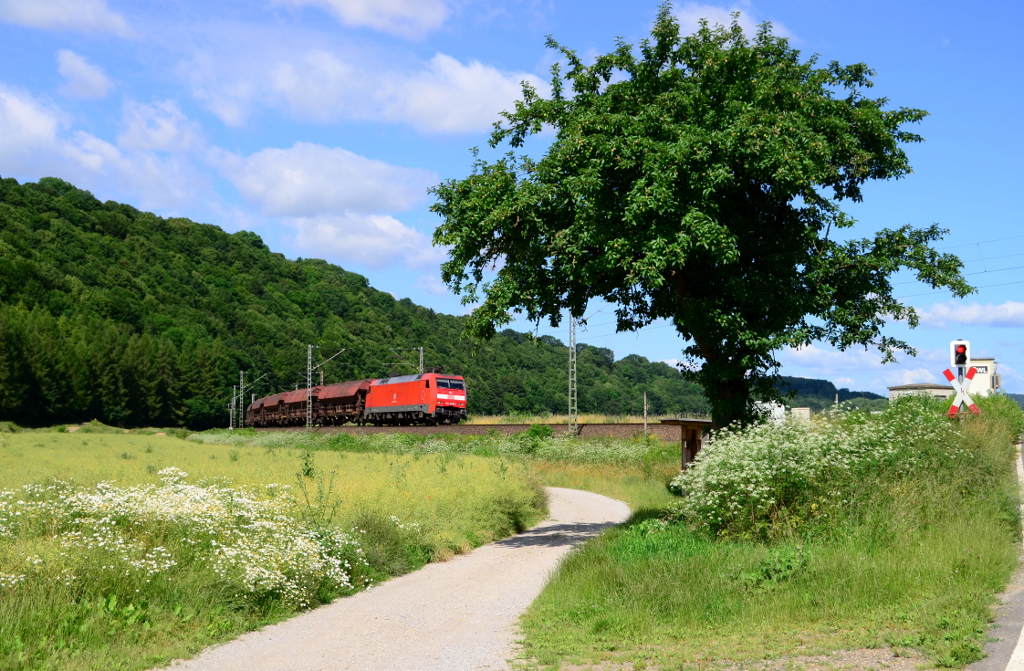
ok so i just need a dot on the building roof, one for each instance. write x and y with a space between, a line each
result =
921 386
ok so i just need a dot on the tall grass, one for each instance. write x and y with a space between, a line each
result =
634 470
535 443
112 557
867 549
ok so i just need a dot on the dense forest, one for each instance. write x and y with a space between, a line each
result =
110 313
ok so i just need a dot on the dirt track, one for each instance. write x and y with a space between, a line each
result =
453 616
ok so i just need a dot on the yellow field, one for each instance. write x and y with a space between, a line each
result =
431 490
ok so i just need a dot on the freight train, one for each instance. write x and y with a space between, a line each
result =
430 398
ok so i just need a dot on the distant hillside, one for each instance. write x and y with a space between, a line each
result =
111 313
1018 397
821 394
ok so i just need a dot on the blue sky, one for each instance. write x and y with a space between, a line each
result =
319 124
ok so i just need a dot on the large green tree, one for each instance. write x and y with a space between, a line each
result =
696 178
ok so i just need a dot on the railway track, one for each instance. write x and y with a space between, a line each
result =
662 431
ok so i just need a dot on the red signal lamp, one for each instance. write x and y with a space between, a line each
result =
960 353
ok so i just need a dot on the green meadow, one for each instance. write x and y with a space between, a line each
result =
127 550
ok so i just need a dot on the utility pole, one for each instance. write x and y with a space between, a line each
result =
573 407
396 350
309 387
645 413
241 399
309 380
242 388
231 414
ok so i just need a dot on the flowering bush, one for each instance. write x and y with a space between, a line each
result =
751 480
252 542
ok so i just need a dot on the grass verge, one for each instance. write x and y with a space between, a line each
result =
854 532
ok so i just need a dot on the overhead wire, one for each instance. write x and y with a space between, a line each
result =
982 242
976 272
987 286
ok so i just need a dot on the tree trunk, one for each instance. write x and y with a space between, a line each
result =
730 402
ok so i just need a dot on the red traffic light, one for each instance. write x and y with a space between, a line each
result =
960 353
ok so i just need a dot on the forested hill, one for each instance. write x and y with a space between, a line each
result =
119 315
821 394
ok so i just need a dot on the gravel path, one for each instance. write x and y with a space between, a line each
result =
452 616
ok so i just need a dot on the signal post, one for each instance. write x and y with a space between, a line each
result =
960 358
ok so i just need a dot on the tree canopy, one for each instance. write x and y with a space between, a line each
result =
697 179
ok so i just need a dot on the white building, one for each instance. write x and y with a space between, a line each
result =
986 381
986 378
920 389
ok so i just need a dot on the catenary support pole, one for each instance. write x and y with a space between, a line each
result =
309 387
241 399
573 421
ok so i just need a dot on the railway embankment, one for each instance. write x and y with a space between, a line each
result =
619 431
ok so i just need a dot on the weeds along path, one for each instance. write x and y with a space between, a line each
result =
452 616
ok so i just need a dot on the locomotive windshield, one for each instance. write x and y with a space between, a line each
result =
442 383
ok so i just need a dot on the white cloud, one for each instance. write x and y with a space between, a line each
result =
35 140
451 97
319 86
433 286
80 15
338 202
681 365
374 240
82 79
26 127
691 13
911 376
829 361
214 80
410 18
310 179
1009 314
1013 382
158 127
442 95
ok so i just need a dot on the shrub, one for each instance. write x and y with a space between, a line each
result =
770 477
540 431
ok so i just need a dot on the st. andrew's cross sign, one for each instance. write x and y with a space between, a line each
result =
961 387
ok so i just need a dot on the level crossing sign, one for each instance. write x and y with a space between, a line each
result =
961 387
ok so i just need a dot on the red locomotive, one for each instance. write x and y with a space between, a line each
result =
430 398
